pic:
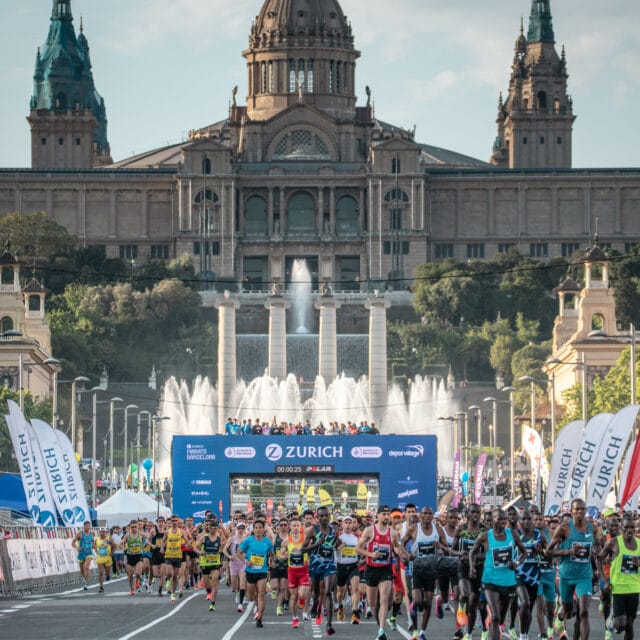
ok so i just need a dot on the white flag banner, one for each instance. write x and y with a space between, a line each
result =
34 478
610 452
625 472
532 446
79 509
587 453
55 466
565 452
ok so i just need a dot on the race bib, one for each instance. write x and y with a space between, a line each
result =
257 561
583 552
102 551
212 558
627 565
426 548
531 554
348 552
384 553
501 557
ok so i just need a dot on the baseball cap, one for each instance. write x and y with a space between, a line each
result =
241 525
382 508
345 518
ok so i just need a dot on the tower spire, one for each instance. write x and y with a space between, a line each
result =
62 10
541 22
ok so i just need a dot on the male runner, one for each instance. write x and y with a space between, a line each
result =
278 573
157 559
348 578
612 524
236 564
104 547
297 568
171 549
133 543
547 593
83 543
208 546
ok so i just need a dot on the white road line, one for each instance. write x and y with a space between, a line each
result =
21 606
237 625
159 620
403 633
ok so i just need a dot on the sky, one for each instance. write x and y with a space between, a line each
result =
165 67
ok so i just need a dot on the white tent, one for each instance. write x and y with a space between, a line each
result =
125 505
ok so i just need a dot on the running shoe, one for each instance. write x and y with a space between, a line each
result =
461 617
259 624
558 625
439 610
484 635
392 623
239 608
415 634
381 635
180 594
319 618
601 608
549 632
608 635
329 631
295 623
278 610
369 613
132 592
160 594
137 583
340 614
563 636
209 596
256 615
85 588
458 634
513 634
422 636
355 618
101 590
173 597
305 616
212 606
542 636
468 636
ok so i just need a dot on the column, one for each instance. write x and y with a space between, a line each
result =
377 356
113 215
361 210
277 336
320 222
328 339
332 210
270 212
144 214
227 378
283 213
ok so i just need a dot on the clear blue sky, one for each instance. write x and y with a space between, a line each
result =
167 66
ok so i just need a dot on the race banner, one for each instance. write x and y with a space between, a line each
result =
532 446
564 457
55 468
455 481
34 478
591 439
632 482
632 504
478 479
79 509
607 463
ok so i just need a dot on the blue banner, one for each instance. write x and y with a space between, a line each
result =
406 466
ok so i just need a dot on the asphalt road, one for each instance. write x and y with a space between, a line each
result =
115 615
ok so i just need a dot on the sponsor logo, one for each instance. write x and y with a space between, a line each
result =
366 452
408 481
553 509
199 453
410 451
408 493
273 452
240 452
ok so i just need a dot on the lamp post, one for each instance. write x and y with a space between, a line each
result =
111 434
154 420
454 425
129 407
478 411
465 417
492 431
54 363
138 445
582 363
512 439
78 381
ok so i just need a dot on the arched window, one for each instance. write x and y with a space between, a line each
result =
396 195
542 101
6 324
255 217
7 275
207 213
347 216
301 215
211 196
301 145
206 165
597 322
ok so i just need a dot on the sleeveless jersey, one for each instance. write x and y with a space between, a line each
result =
173 547
86 543
466 540
104 550
211 548
625 578
381 543
347 552
425 545
294 551
529 571
499 554
277 545
577 567
134 545
322 558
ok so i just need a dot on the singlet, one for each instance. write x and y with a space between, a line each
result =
296 558
134 545
86 543
325 553
529 571
211 548
547 567
103 545
499 554
277 545
625 578
173 546
449 538
577 567
606 566
347 552
466 540
117 539
425 545
381 542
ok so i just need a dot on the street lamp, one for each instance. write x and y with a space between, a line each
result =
454 425
478 409
129 407
493 432
154 420
583 364
112 409
465 417
512 438
138 445
54 363
78 381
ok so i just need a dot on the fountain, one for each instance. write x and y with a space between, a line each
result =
335 396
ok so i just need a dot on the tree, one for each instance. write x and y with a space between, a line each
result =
34 235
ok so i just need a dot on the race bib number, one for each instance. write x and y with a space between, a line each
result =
582 552
348 552
627 565
212 558
531 554
102 551
426 548
384 553
501 557
467 544
257 561
325 551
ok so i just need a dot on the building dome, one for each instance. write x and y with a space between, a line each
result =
280 20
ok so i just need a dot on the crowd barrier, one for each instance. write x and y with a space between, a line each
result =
35 560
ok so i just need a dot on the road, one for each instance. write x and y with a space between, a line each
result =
115 615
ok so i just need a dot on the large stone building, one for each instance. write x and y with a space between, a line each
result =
303 169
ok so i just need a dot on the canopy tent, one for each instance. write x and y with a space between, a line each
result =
125 505
12 495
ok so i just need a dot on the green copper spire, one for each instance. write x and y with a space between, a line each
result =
61 10
541 22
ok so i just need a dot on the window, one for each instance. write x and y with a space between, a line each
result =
542 101
34 303
525 140
396 247
61 141
301 145
597 322
301 215
395 223
211 196
271 81
397 195
332 71
206 165
347 216
475 251
569 248
539 250
628 247
7 275
263 77
339 77
559 140
444 251
309 76
541 139
395 165
78 142
255 217
301 75
44 142
504 247
128 251
159 252
348 270
292 76
210 248
6 324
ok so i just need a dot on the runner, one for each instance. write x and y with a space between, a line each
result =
348 578
321 542
278 574
624 552
448 569
133 543
297 569
574 542
256 551
236 564
547 593
171 548
104 549
612 524
83 543
157 559
498 575
376 544
118 550
208 545
398 570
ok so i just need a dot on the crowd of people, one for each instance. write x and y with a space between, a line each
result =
257 427
493 570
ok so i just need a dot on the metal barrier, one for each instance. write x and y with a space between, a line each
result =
37 560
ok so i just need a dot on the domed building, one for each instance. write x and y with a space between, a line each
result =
304 168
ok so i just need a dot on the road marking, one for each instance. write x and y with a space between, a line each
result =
237 625
159 620
21 606
403 633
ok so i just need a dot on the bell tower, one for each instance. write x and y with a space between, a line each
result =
67 117
535 121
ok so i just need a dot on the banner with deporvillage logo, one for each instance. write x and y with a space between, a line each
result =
564 457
